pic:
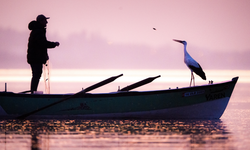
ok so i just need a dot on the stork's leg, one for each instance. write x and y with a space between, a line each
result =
191 78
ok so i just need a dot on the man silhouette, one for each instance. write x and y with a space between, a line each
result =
37 54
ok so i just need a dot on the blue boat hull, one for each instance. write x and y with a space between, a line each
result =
203 102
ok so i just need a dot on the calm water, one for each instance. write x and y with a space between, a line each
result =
230 132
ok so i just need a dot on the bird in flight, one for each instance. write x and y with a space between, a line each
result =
193 65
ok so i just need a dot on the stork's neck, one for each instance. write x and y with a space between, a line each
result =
185 50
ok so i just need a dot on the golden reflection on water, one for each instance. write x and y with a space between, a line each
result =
110 134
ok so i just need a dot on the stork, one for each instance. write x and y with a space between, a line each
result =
193 65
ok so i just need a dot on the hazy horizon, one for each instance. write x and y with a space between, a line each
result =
72 80
82 51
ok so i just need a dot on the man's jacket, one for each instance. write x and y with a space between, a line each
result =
38 44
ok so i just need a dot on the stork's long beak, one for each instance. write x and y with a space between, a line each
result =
178 41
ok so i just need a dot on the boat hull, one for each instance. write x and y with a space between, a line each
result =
203 102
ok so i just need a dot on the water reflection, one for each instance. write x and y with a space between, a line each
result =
113 134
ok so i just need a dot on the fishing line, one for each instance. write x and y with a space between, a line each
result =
46 77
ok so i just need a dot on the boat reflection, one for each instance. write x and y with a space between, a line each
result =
110 134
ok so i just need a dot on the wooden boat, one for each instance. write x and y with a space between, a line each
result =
203 102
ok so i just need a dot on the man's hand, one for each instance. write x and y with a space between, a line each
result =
57 43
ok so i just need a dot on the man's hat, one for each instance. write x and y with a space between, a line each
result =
41 17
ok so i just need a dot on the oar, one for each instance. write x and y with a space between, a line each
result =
24 92
71 96
140 83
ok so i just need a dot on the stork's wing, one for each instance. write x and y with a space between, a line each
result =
198 71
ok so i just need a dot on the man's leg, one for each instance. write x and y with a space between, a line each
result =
37 70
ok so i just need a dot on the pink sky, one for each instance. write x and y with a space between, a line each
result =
213 26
